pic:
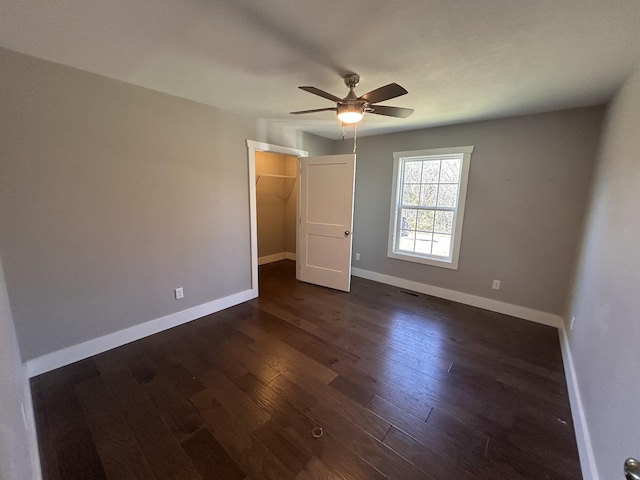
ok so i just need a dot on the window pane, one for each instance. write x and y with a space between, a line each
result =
450 171
411 195
423 242
447 195
408 221
443 222
425 220
412 172
428 195
441 245
431 171
407 240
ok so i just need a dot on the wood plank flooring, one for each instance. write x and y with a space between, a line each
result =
404 387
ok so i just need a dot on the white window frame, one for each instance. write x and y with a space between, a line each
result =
458 217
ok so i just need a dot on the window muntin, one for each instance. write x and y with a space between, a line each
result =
427 205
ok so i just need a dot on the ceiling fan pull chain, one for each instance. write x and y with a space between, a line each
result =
355 134
343 137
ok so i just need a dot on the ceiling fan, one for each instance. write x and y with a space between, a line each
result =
351 108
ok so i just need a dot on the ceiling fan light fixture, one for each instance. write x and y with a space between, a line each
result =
350 114
352 108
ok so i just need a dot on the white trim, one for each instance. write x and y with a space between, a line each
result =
585 448
268 147
525 313
30 424
253 217
252 148
83 350
276 257
433 151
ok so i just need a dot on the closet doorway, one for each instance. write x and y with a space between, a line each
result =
276 206
281 194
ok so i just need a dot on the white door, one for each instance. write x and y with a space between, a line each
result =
326 219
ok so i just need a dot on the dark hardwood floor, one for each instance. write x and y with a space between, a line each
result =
404 387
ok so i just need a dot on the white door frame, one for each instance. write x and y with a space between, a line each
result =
252 148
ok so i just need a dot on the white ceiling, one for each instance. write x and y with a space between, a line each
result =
460 60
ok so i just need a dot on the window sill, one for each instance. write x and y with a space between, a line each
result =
434 262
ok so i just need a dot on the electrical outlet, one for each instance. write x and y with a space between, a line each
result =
573 320
179 293
496 285
357 256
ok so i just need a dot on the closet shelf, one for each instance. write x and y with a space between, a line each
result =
285 187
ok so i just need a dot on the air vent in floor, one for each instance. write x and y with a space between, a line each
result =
408 292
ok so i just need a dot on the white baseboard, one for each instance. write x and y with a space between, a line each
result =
83 350
525 313
585 449
276 257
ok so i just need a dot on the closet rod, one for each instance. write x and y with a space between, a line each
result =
258 175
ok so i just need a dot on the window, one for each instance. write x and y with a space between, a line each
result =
427 205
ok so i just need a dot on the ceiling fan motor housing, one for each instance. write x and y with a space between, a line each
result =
351 107
351 103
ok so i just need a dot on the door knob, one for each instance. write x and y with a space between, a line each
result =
632 469
347 233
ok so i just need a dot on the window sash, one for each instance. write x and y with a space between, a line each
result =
399 229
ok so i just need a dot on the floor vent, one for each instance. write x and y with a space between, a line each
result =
408 292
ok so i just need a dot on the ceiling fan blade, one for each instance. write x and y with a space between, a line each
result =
313 111
321 93
381 94
391 111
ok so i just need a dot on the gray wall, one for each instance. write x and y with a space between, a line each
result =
606 301
316 145
15 446
112 196
528 185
